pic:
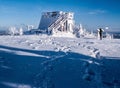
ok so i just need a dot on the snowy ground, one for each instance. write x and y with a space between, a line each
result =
49 62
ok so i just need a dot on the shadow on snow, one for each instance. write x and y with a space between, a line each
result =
54 69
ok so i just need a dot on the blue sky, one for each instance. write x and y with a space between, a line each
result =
91 13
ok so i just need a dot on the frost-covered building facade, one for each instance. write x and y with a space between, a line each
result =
55 22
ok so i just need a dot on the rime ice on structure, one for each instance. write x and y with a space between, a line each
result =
55 22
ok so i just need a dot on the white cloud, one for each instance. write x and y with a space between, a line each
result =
94 12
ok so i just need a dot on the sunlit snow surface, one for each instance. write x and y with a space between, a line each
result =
39 61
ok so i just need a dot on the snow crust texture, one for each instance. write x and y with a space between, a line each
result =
57 62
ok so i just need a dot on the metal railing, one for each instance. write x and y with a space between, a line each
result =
55 25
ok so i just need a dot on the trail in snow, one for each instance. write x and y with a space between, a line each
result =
44 78
94 52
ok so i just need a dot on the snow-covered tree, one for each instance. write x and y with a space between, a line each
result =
12 30
81 30
29 27
21 31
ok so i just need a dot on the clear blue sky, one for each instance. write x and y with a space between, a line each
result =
91 13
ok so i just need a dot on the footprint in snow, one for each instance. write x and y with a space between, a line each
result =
44 78
84 46
89 74
78 44
2 61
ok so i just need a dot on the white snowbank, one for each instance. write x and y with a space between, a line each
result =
39 61
64 34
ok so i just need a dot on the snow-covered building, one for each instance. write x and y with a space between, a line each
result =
59 24
55 22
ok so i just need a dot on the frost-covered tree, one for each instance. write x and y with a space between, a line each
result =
79 31
12 30
21 31
29 27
